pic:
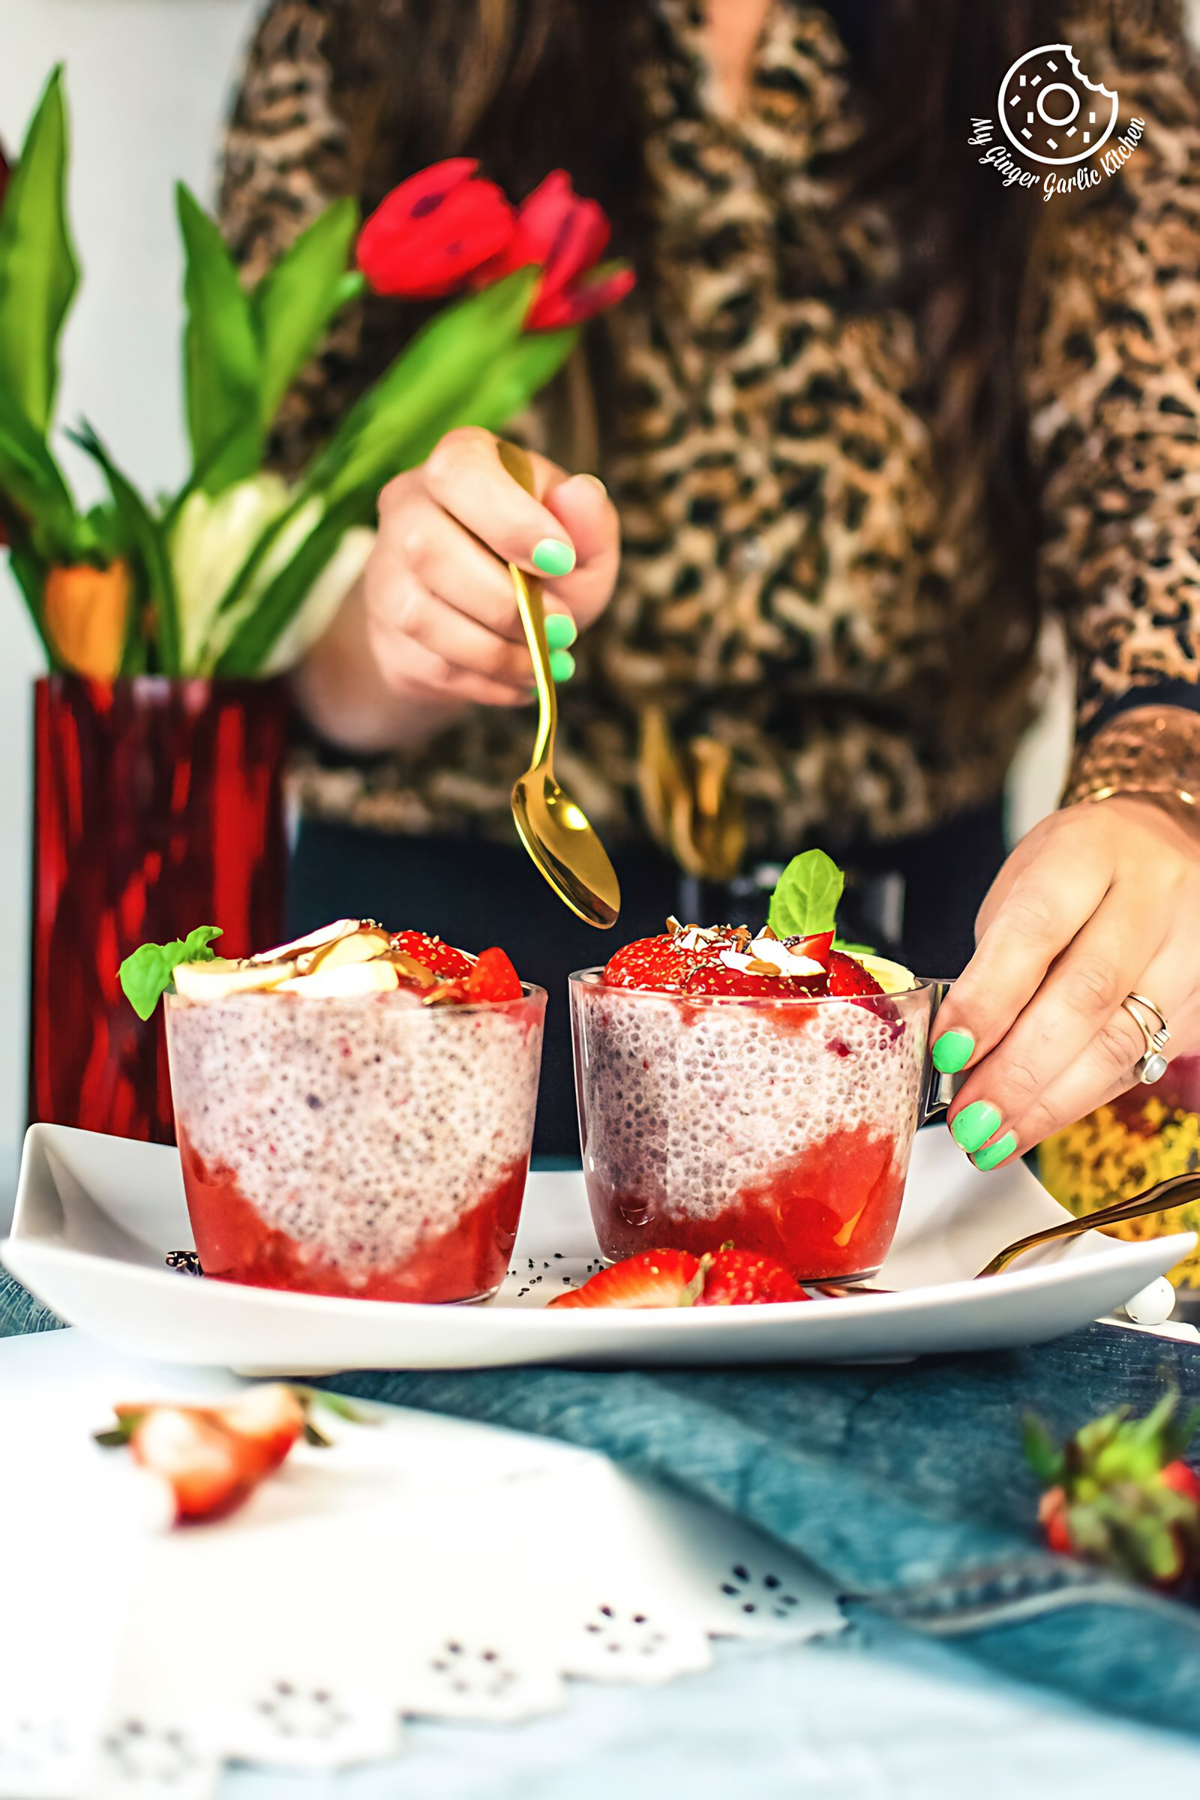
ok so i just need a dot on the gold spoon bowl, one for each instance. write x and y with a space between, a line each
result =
554 829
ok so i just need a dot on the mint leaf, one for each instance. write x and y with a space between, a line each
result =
806 896
146 975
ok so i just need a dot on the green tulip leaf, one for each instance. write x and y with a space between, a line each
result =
222 359
38 271
295 303
148 539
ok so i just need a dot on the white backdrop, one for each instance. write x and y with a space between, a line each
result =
148 80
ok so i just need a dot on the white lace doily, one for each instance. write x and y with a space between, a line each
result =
423 1566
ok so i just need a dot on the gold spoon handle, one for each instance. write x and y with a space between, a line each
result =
1176 1190
528 595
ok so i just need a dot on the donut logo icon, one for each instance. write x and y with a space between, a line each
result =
1050 111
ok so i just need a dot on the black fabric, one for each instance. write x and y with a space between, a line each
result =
475 894
1156 693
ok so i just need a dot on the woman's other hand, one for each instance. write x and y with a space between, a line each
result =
1099 901
433 625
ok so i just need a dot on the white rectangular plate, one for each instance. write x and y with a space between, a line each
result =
96 1217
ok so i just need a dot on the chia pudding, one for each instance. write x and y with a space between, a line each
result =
368 1144
779 1119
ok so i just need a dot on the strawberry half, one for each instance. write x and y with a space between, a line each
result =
492 978
1120 1494
744 1278
209 1472
266 1421
443 959
657 963
655 1278
848 978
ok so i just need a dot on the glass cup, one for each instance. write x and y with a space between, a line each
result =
779 1125
368 1147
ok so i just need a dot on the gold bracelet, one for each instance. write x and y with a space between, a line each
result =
1150 751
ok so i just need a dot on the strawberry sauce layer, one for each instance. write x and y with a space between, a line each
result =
235 1243
829 1214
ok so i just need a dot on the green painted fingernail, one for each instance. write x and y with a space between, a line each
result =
996 1153
975 1125
562 667
553 557
952 1052
561 631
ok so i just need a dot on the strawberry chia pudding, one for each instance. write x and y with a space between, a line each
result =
359 1124
763 1093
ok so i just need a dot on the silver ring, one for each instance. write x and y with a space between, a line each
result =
1152 1064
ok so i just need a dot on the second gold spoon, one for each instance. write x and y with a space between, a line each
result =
553 828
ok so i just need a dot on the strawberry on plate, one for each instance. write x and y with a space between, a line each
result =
745 1278
1120 1494
442 958
655 1278
658 1278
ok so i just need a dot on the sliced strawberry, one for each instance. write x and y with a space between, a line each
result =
655 1278
492 978
818 946
657 963
443 959
208 1470
848 977
266 1421
744 1278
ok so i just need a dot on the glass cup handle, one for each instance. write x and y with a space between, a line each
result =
939 1090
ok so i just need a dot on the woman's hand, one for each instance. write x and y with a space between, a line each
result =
1098 901
439 612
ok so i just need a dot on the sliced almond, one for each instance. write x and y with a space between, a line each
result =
359 946
316 940
412 971
217 979
344 982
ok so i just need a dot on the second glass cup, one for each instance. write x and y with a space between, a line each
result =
780 1125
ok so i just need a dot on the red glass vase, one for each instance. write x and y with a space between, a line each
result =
158 806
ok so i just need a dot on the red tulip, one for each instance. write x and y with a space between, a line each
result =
434 230
566 236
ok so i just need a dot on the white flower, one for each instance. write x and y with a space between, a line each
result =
210 542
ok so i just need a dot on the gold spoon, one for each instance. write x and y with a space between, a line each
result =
553 829
1183 1188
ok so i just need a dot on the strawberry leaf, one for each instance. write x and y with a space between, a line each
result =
146 975
806 896
1041 1453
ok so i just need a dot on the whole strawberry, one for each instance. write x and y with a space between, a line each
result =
1119 1494
657 963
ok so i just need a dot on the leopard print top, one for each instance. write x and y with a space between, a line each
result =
798 585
